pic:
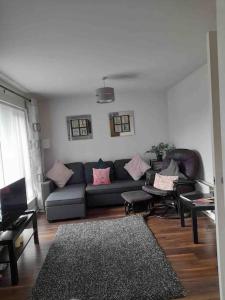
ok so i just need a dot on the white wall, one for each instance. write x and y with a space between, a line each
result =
151 126
189 117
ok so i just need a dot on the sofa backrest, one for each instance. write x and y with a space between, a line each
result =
83 173
187 160
89 172
78 176
120 172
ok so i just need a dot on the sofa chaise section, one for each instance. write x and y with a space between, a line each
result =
66 203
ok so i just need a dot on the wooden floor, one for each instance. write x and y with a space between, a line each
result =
194 264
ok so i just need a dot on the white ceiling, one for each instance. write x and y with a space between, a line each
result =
63 48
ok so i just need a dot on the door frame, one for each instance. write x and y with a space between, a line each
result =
216 54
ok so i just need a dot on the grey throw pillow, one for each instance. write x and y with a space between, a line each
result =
182 176
173 170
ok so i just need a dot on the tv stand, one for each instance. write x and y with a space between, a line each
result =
10 254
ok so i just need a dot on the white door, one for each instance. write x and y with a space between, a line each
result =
218 155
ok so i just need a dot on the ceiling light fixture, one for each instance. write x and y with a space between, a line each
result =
105 94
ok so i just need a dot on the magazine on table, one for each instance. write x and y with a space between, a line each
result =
203 201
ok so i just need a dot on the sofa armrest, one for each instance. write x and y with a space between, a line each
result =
47 187
181 186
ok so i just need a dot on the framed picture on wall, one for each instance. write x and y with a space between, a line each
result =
83 131
121 123
79 127
117 128
117 120
75 132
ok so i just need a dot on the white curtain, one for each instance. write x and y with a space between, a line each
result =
14 149
35 150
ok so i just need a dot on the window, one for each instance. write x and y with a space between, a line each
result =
14 152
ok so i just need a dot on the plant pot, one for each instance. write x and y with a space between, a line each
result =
159 157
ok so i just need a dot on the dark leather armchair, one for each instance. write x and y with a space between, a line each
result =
188 162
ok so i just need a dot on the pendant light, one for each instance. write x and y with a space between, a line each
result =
105 94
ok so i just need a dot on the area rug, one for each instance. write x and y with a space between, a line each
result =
117 259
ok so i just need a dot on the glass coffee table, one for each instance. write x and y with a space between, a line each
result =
188 200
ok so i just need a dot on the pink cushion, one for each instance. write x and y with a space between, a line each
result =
164 183
101 176
136 167
59 173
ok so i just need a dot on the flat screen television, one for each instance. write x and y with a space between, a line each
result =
13 203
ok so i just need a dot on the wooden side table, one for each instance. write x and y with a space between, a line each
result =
186 200
156 165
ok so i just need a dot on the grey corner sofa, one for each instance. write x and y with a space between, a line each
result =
79 193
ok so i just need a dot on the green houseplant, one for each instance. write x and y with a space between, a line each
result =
160 150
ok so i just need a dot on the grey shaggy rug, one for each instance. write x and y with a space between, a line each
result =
117 259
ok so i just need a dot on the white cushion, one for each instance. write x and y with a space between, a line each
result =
136 167
59 173
163 182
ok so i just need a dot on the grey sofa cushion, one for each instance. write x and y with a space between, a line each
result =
173 170
78 176
70 194
117 186
120 172
89 172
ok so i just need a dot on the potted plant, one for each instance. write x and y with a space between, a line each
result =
160 150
